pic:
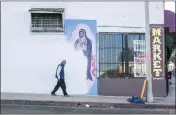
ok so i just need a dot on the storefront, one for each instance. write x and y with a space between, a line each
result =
122 65
170 35
107 61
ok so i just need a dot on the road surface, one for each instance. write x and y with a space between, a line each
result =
43 109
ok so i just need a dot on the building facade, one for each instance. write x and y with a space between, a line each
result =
33 43
170 36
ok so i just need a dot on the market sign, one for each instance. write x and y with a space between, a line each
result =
157 50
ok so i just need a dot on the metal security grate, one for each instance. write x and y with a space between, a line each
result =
117 55
46 22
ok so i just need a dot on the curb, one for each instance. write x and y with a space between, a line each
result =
91 104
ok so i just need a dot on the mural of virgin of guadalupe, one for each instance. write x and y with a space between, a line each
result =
85 44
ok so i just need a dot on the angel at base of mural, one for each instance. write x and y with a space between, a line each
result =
85 44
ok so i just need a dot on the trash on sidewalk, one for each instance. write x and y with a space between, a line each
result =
136 99
87 105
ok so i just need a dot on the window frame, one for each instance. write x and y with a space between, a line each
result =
125 46
102 48
127 61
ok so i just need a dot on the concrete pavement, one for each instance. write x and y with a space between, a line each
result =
172 89
41 109
81 101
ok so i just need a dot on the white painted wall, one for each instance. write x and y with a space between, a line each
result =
29 60
170 6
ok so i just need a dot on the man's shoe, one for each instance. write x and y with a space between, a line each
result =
66 95
53 94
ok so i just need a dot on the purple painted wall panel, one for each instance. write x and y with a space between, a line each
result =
129 87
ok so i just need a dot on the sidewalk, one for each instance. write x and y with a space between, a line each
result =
81 101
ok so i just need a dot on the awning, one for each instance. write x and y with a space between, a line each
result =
170 20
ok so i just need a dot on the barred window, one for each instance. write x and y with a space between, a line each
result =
117 55
46 22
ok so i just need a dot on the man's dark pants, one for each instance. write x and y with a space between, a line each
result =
60 83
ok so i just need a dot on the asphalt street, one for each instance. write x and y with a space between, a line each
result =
38 109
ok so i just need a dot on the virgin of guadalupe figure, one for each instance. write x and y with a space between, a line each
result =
85 44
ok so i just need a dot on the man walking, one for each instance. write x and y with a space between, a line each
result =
60 77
